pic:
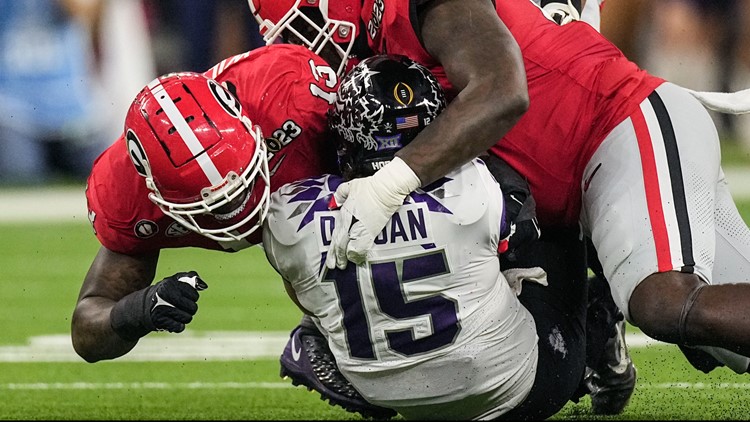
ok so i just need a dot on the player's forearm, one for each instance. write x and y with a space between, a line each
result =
111 277
469 126
490 81
92 334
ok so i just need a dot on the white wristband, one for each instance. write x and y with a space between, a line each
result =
397 177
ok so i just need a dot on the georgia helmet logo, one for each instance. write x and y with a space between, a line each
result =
227 101
136 153
145 229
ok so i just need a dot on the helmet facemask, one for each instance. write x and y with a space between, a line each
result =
222 212
311 27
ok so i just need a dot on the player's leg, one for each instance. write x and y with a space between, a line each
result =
731 264
610 373
612 389
650 211
712 315
732 260
559 311
693 313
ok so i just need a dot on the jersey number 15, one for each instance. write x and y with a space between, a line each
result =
387 283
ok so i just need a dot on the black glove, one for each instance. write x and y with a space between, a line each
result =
520 213
521 226
165 306
563 11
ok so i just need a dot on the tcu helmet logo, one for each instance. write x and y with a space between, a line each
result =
228 101
136 153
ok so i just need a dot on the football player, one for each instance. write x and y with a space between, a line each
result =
631 157
428 326
310 24
198 159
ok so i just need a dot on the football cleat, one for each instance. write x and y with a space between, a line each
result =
612 384
308 361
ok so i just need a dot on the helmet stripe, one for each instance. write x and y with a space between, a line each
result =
186 134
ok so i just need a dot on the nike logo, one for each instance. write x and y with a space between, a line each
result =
192 281
588 180
276 166
295 351
160 302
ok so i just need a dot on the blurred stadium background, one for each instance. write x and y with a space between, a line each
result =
225 366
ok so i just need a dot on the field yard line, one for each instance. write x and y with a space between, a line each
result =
39 204
187 346
285 384
695 385
43 205
144 385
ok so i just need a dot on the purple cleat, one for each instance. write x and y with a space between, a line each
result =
308 361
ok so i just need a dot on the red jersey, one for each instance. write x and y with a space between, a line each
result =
285 89
580 87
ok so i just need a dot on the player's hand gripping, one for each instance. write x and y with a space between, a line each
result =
520 227
366 206
165 306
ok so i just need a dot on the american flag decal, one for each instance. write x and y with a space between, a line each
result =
406 122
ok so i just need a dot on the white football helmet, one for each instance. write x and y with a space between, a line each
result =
203 160
338 28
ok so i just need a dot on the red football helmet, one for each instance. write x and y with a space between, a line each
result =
203 160
338 28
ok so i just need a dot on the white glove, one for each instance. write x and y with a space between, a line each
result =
366 206
516 276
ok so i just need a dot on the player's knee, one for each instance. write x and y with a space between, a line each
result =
660 303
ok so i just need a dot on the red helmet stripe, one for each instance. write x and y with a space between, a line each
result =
186 134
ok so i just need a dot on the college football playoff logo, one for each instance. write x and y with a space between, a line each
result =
403 93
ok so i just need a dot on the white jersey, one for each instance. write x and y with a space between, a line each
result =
428 325
591 13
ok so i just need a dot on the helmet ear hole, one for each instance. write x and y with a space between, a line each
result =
382 105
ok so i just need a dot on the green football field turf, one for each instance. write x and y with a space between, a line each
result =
43 264
668 389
